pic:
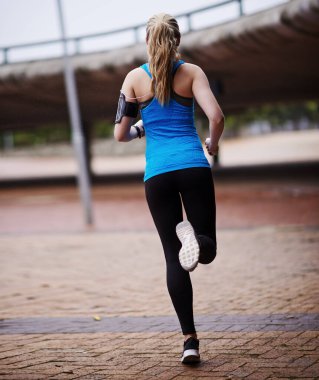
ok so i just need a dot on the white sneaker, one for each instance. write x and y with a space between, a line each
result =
189 253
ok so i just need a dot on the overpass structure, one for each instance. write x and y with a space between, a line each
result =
266 57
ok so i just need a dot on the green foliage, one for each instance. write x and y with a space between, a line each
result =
102 129
54 133
276 115
46 134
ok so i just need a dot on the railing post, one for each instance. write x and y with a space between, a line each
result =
241 12
136 37
8 140
5 56
77 45
189 22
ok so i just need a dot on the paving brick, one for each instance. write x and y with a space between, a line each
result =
23 376
241 372
231 365
258 375
91 376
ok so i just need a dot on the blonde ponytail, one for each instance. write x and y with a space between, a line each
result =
163 37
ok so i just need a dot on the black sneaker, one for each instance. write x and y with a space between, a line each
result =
191 351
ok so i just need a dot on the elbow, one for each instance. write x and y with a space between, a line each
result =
217 119
222 120
118 135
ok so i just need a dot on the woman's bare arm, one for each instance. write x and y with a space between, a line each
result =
208 103
123 131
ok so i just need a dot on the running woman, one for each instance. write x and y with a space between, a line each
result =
177 173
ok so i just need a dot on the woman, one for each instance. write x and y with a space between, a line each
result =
177 172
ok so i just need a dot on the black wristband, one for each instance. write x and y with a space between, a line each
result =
139 134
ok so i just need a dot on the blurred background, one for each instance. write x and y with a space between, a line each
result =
261 58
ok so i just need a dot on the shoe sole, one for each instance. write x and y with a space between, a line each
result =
189 253
190 356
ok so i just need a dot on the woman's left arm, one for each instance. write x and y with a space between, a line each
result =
127 108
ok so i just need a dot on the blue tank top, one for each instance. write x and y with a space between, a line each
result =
172 142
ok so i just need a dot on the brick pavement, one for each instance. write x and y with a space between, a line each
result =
256 306
226 355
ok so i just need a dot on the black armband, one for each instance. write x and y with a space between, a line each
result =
125 108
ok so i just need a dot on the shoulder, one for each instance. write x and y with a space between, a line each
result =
192 68
135 74
132 81
132 77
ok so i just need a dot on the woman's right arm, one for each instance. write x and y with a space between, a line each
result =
208 103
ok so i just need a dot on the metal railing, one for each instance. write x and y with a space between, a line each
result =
76 41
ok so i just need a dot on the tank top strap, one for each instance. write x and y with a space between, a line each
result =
177 65
145 67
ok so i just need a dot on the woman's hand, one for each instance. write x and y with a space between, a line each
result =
211 149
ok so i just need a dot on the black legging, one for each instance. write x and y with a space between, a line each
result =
165 193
